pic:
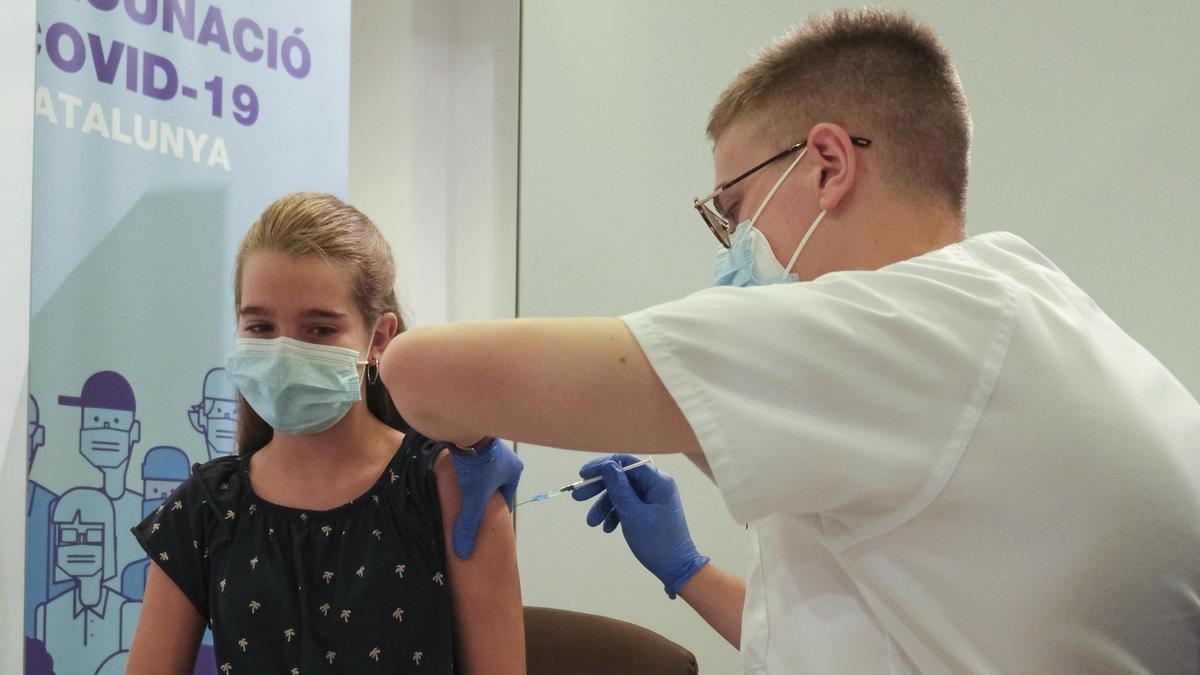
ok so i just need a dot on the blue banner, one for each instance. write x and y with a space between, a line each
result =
163 128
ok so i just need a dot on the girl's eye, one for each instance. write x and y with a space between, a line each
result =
323 331
258 328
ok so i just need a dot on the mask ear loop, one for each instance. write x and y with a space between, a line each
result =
811 229
779 182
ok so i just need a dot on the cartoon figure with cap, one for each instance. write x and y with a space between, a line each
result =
215 415
108 431
87 624
38 502
163 469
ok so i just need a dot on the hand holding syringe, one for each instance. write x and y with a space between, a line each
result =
543 496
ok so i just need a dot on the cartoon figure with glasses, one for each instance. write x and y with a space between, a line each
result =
215 415
87 624
108 430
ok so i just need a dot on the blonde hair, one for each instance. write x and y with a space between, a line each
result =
876 73
318 224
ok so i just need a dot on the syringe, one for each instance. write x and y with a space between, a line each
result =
571 487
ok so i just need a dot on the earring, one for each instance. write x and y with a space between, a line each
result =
372 371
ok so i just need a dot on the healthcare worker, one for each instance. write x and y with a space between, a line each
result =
949 458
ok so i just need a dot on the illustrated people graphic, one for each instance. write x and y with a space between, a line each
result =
163 469
215 415
39 586
108 430
87 624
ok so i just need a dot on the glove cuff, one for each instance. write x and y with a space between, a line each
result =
672 588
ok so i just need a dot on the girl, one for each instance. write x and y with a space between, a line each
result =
321 546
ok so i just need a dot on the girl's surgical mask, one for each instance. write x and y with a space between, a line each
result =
749 260
296 387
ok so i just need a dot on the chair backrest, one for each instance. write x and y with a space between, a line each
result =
559 641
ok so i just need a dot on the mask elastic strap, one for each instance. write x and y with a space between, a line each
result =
811 229
779 182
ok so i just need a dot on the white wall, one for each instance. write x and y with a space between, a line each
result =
16 201
1085 144
433 143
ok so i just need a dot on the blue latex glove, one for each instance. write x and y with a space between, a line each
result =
479 477
645 503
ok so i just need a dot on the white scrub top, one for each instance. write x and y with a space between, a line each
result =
957 463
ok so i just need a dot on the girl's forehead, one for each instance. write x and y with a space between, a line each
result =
286 284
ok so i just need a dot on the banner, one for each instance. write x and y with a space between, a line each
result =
162 129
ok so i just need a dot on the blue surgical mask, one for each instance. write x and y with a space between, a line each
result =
749 260
296 387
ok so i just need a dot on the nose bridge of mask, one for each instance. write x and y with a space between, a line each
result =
287 347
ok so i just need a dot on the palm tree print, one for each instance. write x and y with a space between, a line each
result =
345 615
242 643
439 579
154 528
225 668
324 609
163 556
374 653
254 562
417 656
375 498
253 508
254 606
325 529
378 534
304 517
295 671
398 614
222 585
361 571
230 515
179 505
327 576
330 656
400 570
393 475
289 634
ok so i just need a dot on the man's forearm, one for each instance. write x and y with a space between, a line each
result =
718 598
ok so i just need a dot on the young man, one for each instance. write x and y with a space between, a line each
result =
951 460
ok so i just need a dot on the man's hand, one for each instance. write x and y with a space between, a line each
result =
645 502
480 475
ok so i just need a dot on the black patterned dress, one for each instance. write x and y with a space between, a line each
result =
359 589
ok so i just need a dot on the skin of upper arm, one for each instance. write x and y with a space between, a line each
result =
489 620
581 384
168 631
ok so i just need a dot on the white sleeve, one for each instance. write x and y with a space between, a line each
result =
851 396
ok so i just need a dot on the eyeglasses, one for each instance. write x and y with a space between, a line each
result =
716 221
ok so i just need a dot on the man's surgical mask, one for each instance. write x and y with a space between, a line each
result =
296 387
749 260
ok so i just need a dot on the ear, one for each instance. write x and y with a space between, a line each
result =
838 161
195 418
135 433
386 328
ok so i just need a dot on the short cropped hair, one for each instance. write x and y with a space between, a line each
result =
876 73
